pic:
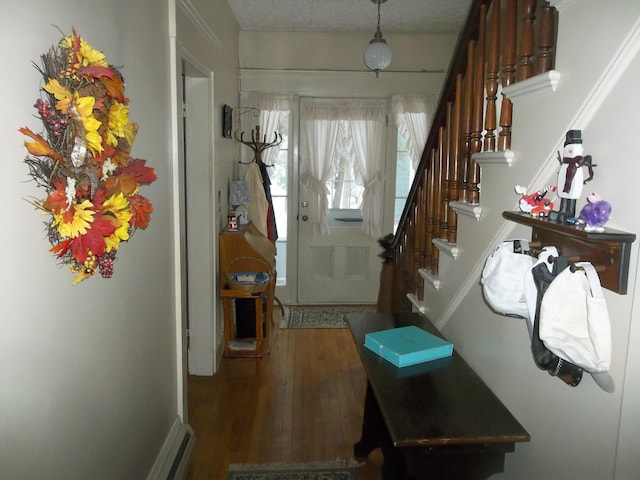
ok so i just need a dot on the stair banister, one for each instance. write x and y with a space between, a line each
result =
465 123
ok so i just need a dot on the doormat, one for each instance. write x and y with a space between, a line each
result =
321 316
334 470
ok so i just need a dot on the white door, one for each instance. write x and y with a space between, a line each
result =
341 266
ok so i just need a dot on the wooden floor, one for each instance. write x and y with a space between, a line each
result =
303 402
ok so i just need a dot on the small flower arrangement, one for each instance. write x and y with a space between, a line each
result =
83 160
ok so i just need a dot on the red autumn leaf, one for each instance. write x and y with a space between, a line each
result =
97 71
93 240
98 199
141 209
144 175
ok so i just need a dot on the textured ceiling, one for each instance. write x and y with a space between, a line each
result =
397 16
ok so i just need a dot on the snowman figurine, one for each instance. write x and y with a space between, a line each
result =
571 176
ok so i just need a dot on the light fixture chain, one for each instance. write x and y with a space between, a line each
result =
377 56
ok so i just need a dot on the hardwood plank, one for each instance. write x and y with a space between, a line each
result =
302 402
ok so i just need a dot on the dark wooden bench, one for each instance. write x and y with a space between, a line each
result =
435 420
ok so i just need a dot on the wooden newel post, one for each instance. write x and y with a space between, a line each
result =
385 291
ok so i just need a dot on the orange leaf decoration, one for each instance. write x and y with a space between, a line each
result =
126 184
115 88
141 208
62 248
56 202
40 147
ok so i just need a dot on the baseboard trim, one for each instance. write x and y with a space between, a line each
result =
173 460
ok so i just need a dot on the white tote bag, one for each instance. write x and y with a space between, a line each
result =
574 320
503 278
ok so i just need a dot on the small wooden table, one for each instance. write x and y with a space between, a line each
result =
435 420
255 346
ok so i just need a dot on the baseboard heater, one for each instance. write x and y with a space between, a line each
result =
173 461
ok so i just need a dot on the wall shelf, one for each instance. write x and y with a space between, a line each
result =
610 249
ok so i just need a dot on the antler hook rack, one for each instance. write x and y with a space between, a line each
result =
258 145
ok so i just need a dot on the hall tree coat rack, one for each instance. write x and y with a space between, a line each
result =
258 145
608 251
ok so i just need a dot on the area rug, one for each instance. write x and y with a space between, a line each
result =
321 316
334 470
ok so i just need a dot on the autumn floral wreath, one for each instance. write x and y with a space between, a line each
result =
83 160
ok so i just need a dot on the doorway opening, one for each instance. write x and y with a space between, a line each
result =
198 213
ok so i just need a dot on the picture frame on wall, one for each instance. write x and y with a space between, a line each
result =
227 121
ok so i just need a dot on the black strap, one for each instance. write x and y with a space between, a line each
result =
542 356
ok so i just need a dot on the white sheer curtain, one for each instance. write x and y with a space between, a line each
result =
320 119
270 110
369 146
319 131
413 115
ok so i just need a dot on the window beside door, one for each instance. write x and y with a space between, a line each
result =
279 175
405 172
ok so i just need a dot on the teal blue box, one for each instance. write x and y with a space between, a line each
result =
404 346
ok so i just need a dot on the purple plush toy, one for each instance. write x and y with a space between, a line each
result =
595 213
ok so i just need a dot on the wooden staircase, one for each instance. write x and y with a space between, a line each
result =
506 50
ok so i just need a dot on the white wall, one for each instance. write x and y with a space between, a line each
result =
305 63
341 51
207 37
91 381
582 432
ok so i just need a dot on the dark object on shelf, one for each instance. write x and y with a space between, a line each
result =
609 250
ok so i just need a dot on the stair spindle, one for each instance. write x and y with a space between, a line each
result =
492 78
546 35
525 66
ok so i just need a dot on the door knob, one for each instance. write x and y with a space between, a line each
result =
304 218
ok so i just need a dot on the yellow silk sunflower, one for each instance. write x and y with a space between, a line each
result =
87 55
84 107
118 121
75 220
116 209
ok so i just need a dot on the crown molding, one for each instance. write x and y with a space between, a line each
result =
192 13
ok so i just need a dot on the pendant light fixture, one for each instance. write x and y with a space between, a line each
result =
377 55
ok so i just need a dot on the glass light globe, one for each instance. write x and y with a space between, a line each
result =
377 55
